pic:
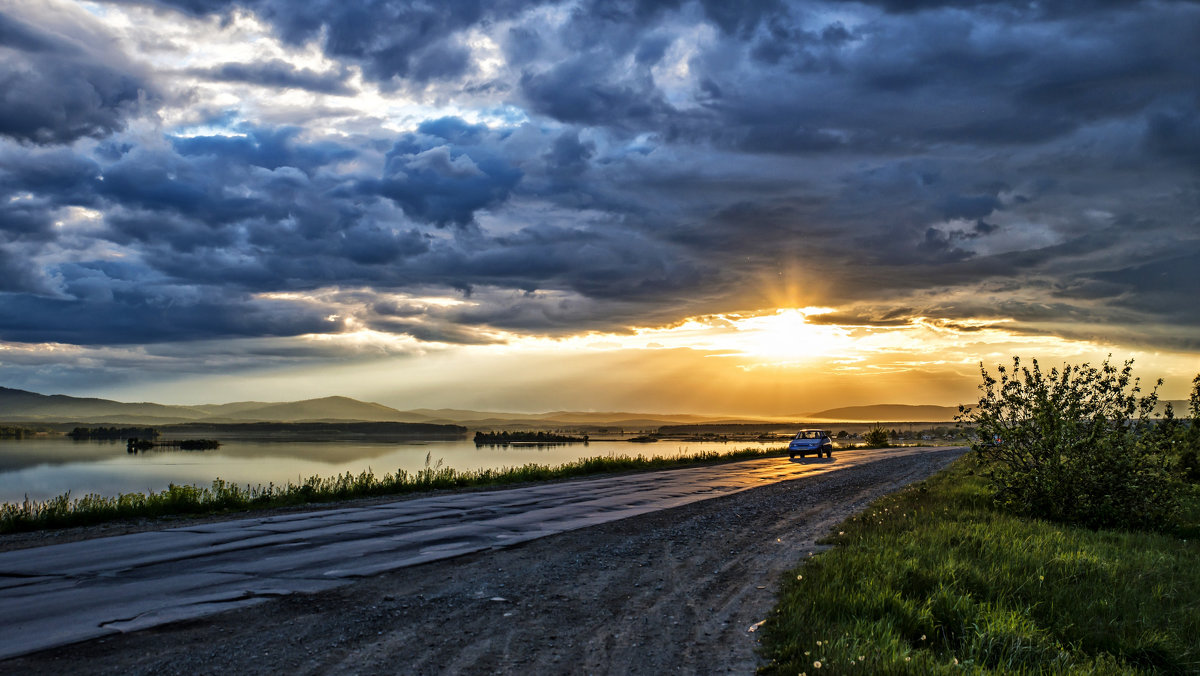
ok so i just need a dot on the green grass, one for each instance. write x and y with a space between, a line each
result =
221 496
934 579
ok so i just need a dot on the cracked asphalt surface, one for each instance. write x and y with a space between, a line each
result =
644 573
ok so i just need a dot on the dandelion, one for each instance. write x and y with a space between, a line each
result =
1041 578
799 577
922 637
806 653
907 659
956 660
818 644
861 658
817 664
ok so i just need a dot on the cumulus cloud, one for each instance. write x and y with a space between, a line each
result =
62 77
599 165
280 75
444 173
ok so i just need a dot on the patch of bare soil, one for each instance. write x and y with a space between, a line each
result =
674 591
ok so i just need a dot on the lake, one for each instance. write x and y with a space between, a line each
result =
45 468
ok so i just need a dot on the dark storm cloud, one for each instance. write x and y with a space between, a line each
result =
62 175
444 173
60 80
108 311
580 91
900 84
569 157
19 275
402 40
1165 287
659 160
270 148
280 75
1175 134
205 223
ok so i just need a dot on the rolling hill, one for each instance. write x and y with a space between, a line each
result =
927 413
887 413
22 406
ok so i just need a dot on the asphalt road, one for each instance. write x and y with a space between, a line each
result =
60 594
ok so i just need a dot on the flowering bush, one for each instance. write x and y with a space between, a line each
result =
1076 444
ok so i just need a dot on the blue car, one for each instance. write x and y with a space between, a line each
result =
811 441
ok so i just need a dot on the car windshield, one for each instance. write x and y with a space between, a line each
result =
810 434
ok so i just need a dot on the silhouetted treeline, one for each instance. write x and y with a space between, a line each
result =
312 431
7 432
134 445
199 444
505 438
113 433
729 428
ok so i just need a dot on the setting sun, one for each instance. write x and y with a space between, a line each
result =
786 337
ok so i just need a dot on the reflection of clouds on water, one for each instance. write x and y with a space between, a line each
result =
45 468
16 455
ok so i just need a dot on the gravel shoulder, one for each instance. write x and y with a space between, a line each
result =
673 591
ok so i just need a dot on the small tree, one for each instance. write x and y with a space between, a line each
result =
876 436
1075 445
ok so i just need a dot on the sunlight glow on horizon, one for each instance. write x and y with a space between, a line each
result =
779 362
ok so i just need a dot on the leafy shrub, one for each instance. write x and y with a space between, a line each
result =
1076 445
876 436
1186 439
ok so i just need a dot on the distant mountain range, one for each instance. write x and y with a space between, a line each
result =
23 406
888 413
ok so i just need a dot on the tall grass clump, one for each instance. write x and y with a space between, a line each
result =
222 496
938 579
1077 445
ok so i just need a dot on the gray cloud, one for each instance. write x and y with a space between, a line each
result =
62 79
665 159
278 74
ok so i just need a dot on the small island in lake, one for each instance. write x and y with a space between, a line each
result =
134 445
507 438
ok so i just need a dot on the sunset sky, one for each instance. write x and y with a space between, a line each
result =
755 208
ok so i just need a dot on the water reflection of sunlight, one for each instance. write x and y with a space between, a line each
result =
45 469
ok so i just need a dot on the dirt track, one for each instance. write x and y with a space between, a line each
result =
669 592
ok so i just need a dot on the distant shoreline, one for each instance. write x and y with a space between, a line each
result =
317 431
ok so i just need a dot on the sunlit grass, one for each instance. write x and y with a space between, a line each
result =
935 580
223 496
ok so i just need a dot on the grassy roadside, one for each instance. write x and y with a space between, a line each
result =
221 496
933 579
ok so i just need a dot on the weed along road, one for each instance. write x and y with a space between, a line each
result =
56 595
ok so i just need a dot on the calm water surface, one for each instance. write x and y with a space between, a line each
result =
45 468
